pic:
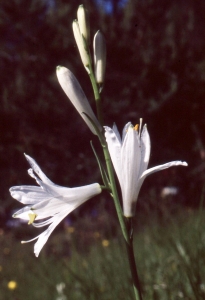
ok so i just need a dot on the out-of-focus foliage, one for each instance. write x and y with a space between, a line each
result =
155 70
92 264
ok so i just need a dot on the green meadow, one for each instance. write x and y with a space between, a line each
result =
88 260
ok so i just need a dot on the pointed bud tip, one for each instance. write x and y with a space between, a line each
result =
184 163
60 69
28 158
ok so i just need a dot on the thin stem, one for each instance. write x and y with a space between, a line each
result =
97 97
132 263
95 88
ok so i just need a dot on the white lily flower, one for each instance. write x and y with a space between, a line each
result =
48 203
73 90
130 157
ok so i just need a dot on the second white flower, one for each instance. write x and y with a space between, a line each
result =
130 157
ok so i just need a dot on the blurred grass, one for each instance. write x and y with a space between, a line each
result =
90 259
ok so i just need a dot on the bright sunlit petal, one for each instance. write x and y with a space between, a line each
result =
130 158
49 203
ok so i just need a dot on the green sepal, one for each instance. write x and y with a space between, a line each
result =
102 170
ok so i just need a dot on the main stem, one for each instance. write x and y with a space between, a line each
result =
97 97
131 258
126 227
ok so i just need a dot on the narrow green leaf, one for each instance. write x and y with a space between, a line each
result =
102 170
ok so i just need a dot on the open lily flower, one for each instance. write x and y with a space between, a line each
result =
130 158
48 203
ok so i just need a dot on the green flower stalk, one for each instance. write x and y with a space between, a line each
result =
99 47
83 22
73 90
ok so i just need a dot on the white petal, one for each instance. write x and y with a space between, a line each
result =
38 170
54 206
55 199
162 167
114 128
43 223
145 149
72 194
55 209
27 194
43 237
49 202
23 213
125 129
114 147
130 162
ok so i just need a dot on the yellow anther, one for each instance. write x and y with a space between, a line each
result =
136 127
32 218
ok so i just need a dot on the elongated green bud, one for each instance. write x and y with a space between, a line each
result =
99 57
81 44
73 90
83 22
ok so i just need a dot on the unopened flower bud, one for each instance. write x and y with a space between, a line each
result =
73 90
99 57
83 22
81 44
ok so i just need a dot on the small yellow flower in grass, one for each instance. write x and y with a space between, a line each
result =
12 285
71 229
105 243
